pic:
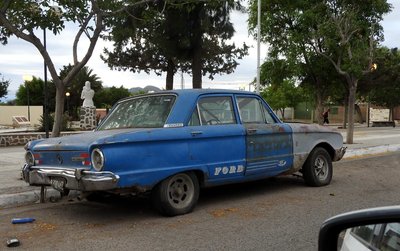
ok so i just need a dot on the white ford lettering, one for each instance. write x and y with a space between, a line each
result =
228 170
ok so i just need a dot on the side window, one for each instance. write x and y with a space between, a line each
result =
252 111
391 237
268 116
368 234
214 111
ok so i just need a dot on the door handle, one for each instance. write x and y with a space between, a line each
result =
251 131
195 133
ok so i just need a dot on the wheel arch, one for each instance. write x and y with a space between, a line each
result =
200 175
327 147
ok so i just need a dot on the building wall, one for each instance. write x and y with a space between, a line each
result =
396 113
6 113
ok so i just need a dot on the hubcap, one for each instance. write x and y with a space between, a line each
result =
180 191
321 167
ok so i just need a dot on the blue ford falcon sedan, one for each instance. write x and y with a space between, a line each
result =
172 143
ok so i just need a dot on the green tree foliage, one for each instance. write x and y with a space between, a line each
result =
170 35
107 97
3 86
36 94
286 26
343 32
382 85
284 95
26 19
74 87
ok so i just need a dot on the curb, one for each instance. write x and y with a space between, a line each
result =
32 197
360 152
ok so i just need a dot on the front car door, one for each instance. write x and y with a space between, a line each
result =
269 147
218 140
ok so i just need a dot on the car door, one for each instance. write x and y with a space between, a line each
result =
217 139
269 147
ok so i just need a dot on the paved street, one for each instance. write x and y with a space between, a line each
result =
275 214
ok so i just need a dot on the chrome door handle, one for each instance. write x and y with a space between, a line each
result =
251 131
194 133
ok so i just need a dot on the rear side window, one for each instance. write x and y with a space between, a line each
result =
253 111
213 111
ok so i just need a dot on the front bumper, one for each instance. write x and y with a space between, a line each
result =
72 179
339 153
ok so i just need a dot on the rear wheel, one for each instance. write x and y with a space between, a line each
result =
317 170
177 194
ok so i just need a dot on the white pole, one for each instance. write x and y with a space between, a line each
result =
182 81
258 45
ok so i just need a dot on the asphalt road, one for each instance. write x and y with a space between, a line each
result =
274 214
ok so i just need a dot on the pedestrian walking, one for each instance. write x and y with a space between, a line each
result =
325 115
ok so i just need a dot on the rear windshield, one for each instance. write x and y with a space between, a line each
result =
142 112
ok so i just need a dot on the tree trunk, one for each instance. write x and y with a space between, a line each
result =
196 67
346 111
352 101
58 118
320 108
359 114
169 85
197 48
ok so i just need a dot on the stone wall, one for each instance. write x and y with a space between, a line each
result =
20 139
88 118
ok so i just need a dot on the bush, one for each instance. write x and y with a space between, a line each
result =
64 123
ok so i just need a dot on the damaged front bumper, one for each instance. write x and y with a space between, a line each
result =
339 153
72 179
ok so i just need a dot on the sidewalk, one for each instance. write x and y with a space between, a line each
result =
15 192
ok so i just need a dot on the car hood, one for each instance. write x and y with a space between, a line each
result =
83 141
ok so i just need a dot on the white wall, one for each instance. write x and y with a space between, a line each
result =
6 113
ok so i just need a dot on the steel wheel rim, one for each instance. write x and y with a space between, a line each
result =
321 168
180 191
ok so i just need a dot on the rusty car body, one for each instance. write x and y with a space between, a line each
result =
173 143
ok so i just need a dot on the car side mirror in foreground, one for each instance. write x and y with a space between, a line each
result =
368 229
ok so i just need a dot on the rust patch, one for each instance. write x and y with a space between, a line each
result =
223 212
45 227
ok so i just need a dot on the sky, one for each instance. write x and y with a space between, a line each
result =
19 58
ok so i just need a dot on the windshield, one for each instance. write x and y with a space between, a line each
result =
143 112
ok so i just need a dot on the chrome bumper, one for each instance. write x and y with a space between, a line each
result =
339 153
73 179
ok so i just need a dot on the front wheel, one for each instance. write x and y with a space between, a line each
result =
177 194
317 170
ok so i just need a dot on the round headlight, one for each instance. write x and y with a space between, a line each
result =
97 159
29 159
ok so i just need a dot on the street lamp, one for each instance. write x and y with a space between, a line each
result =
67 94
27 78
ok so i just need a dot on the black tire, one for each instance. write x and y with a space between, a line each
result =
317 170
177 194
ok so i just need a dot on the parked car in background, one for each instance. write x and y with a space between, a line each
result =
172 143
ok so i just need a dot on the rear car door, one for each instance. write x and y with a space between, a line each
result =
269 144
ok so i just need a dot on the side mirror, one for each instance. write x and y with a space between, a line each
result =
383 223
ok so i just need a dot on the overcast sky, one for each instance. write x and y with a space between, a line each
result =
19 58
